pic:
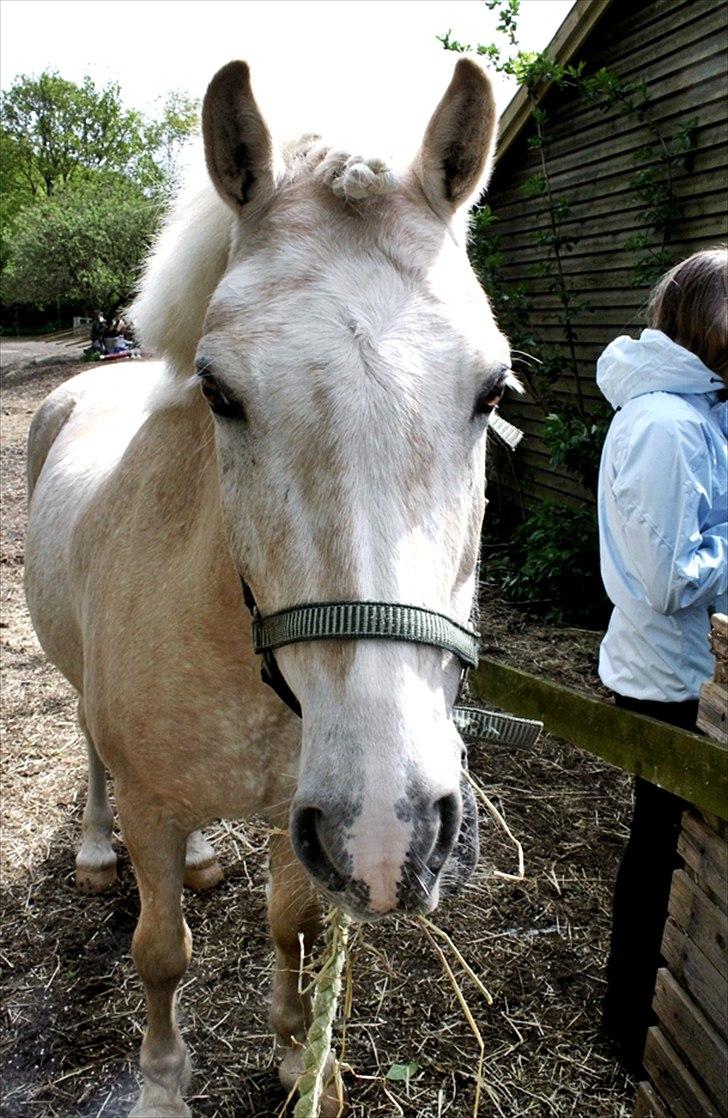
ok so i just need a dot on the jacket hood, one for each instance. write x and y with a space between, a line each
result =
654 363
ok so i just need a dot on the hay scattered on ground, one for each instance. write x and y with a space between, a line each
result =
72 1005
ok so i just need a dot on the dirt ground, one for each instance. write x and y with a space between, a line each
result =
72 1005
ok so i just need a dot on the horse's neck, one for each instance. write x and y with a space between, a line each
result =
177 499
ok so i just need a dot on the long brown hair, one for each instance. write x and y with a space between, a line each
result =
690 305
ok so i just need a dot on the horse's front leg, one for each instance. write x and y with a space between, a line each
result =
96 860
294 910
161 949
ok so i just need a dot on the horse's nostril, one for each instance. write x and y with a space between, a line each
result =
448 809
306 826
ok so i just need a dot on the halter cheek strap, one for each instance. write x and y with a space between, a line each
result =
380 621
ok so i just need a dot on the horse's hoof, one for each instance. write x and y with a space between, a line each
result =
98 880
205 876
161 1110
333 1101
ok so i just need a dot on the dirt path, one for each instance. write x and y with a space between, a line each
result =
72 1004
18 353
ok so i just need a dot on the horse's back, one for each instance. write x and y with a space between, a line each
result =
76 438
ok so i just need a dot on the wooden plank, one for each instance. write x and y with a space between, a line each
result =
647 1103
642 48
670 106
697 975
690 1032
665 96
670 102
591 208
688 765
616 270
675 1084
719 646
610 236
706 853
702 921
607 189
713 710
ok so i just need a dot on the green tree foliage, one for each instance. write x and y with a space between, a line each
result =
60 131
84 181
83 246
59 134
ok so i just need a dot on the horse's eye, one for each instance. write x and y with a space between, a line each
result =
219 403
488 399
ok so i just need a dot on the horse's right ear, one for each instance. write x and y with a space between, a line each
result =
238 147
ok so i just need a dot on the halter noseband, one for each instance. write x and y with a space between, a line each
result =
380 621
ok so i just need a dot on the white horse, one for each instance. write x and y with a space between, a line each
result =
329 447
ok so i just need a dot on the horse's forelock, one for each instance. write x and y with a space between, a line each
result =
194 247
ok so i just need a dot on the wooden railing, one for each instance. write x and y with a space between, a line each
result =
691 766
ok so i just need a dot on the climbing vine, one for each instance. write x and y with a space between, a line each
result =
574 430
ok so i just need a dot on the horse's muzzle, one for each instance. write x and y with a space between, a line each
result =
443 836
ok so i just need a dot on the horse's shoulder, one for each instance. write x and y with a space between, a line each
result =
92 392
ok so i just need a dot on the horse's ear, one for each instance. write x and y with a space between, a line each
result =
456 154
238 147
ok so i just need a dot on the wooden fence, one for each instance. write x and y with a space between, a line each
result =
691 766
686 1053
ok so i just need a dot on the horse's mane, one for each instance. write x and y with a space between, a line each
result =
192 251
181 274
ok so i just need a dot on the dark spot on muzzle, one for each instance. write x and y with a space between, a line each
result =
438 834
444 846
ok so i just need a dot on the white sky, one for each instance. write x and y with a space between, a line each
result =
316 64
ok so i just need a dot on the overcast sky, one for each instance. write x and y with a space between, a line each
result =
316 63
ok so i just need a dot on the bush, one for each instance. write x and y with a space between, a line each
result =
553 565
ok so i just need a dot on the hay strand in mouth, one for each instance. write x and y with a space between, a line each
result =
327 988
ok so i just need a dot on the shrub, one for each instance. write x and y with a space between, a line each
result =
554 565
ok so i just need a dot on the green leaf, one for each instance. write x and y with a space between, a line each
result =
402 1072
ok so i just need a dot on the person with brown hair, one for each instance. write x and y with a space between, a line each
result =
663 513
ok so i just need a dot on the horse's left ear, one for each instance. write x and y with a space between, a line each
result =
456 154
238 146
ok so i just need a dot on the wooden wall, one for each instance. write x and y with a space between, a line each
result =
679 48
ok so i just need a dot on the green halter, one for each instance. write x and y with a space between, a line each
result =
362 621
381 621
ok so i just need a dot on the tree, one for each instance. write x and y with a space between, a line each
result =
165 137
84 182
57 133
83 246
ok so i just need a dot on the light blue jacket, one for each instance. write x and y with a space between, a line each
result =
663 508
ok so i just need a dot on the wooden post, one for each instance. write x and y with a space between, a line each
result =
686 1055
714 695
